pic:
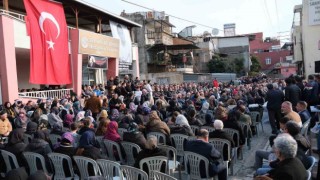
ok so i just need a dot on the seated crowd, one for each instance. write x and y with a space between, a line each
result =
202 111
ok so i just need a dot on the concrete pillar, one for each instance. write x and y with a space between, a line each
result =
8 67
76 60
113 67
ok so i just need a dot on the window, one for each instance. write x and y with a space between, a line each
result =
268 61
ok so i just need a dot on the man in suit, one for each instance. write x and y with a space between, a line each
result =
220 133
275 97
202 146
302 111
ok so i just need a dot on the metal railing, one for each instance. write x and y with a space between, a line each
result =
60 93
17 16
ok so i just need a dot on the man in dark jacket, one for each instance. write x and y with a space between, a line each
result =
292 92
219 133
275 98
302 111
202 147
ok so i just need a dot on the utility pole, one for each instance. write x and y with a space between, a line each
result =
6 5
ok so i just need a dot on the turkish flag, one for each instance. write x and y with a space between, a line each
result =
49 54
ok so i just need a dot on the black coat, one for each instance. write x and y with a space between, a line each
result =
150 153
223 135
186 130
289 169
275 99
136 138
293 94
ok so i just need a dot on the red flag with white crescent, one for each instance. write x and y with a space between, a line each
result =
49 55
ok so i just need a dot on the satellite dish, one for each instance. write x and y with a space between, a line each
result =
215 31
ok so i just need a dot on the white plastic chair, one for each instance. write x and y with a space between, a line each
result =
192 161
236 137
110 147
161 176
160 136
6 157
57 161
304 129
132 173
194 129
83 162
103 149
247 132
208 128
177 140
32 158
131 150
110 169
153 163
311 162
256 120
220 144
54 138
309 175
121 132
172 157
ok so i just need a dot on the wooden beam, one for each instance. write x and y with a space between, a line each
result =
6 5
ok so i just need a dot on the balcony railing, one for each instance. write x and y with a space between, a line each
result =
60 93
19 17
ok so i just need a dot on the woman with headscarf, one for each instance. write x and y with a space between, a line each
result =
65 146
103 126
32 127
115 115
181 126
134 135
112 132
10 111
125 120
16 145
156 125
132 108
22 120
103 114
39 143
88 146
36 115
68 120
54 118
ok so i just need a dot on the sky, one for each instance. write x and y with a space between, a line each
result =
272 17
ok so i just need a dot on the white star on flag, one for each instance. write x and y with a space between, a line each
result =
50 43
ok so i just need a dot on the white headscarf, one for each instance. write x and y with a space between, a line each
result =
181 120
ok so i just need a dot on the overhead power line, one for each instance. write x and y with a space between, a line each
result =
171 15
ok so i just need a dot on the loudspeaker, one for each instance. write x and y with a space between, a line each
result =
317 66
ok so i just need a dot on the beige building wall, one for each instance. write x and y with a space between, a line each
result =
310 39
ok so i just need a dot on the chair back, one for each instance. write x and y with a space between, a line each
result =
32 159
234 134
54 138
171 156
103 149
121 131
6 157
132 173
160 136
110 169
113 147
194 129
220 145
245 128
177 140
255 117
192 163
57 161
305 127
82 164
131 150
208 128
309 175
311 162
27 138
153 163
161 176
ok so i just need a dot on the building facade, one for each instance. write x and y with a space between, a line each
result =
306 37
15 49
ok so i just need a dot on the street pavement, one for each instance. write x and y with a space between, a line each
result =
243 168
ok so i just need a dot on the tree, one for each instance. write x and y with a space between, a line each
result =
216 65
238 65
255 64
